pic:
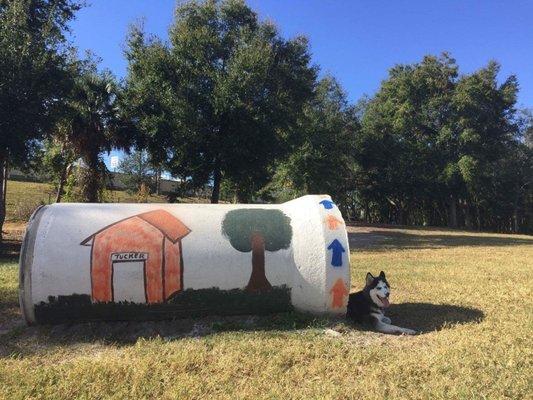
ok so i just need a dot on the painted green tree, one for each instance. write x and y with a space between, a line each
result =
257 230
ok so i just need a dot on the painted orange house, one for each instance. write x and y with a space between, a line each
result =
152 240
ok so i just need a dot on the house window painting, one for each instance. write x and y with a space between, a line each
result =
138 259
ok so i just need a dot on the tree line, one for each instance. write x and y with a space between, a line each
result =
228 104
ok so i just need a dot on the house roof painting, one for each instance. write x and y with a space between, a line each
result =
171 227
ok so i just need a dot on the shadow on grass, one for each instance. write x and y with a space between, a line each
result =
427 317
27 340
9 305
387 240
10 249
23 341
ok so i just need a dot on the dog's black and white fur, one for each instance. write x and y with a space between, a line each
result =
368 305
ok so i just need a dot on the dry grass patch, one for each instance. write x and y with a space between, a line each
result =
24 197
469 293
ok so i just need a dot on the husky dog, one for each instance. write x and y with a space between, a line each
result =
368 305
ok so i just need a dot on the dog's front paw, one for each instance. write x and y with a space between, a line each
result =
407 331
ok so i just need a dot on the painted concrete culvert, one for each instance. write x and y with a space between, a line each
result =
159 261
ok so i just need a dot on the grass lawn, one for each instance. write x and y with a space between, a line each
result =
469 294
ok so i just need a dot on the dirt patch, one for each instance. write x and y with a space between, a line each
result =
15 230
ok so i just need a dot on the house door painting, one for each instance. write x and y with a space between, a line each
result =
129 282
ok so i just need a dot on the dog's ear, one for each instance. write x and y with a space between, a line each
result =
369 278
382 275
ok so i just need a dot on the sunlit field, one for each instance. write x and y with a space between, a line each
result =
468 294
24 197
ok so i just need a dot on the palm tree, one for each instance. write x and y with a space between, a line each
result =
97 125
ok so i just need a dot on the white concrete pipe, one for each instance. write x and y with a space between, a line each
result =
152 261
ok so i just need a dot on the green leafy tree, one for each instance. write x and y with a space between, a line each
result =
257 230
217 101
437 148
34 63
57 161
485 135
401 152
137 170
525 126
322 157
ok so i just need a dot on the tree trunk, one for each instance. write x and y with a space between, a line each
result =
516 212
91 184
62 181
258 281
158 181
3 187
4 183
478 218
452 213
401 217
468 216
516 219
217 177
242 196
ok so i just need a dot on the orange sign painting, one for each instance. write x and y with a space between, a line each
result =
338 291
333 222
153 238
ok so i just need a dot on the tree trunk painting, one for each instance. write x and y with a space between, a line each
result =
258 281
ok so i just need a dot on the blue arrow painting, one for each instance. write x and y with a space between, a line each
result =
328 204
337 250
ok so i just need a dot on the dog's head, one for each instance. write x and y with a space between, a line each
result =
378 289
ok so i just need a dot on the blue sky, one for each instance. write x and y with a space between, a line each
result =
356 41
